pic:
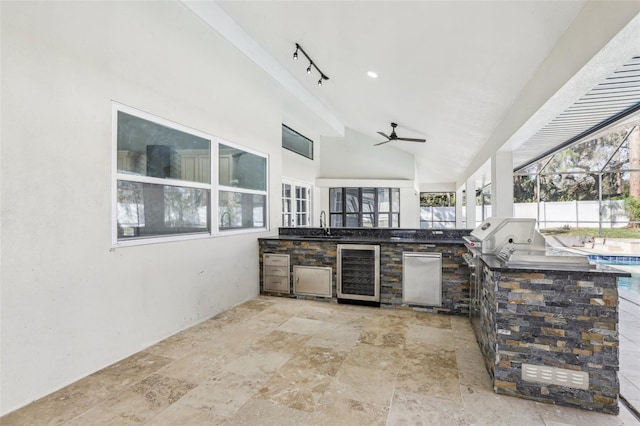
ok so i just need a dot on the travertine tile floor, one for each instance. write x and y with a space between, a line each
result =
278 361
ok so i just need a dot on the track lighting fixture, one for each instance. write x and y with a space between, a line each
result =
311 64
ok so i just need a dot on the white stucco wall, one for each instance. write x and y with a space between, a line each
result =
354 157
353 161
72 304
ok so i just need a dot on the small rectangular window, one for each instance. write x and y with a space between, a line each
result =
294 141
242 183
241 169
437 210
241 210
151 210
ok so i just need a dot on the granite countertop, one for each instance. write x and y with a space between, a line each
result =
496 264
363 239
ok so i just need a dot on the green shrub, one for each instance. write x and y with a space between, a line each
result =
632 206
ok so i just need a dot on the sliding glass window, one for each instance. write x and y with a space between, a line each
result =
163 188
163 179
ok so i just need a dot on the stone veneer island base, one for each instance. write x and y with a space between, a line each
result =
561 325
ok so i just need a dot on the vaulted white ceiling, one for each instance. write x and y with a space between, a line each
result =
453 72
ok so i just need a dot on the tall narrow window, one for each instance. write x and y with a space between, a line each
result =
287 205
242 188
296 204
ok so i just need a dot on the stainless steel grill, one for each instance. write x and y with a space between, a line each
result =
516 242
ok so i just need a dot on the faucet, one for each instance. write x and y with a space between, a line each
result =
224 216
323 223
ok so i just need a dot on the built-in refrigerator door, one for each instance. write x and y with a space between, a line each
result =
422 279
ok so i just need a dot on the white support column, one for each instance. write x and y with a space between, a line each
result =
471 203
459 196
502 184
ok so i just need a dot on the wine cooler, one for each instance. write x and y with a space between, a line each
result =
358 272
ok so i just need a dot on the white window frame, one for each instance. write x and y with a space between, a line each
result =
294 205
212 186
241 191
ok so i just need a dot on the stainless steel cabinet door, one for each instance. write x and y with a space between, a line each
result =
422 279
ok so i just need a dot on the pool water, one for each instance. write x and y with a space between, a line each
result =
631 283
629 264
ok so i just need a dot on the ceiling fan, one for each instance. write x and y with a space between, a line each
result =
394 137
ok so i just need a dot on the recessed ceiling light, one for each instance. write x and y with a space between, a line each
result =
372 74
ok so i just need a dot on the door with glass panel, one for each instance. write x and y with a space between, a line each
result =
296 204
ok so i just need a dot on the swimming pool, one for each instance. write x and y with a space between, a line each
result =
629 286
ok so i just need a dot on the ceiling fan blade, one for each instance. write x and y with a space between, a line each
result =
382 134
412 140
382 142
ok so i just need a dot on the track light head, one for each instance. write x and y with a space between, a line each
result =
311 63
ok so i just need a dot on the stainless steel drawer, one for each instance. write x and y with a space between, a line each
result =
281 271
275 283
276 259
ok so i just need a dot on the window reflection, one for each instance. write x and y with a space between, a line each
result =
146 210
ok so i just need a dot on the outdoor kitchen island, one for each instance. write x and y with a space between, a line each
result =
547 332
551 335
546 321
311 250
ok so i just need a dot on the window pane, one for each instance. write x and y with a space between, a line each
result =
286 205
241 169
383 200
383 220
150 149
353 200
336 220
287 217
297 143
286 190
395 220
302 219
395 200
368 200
368 220
426 213
335 197
146 210
353 220
240 211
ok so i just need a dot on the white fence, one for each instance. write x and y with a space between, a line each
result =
574 214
